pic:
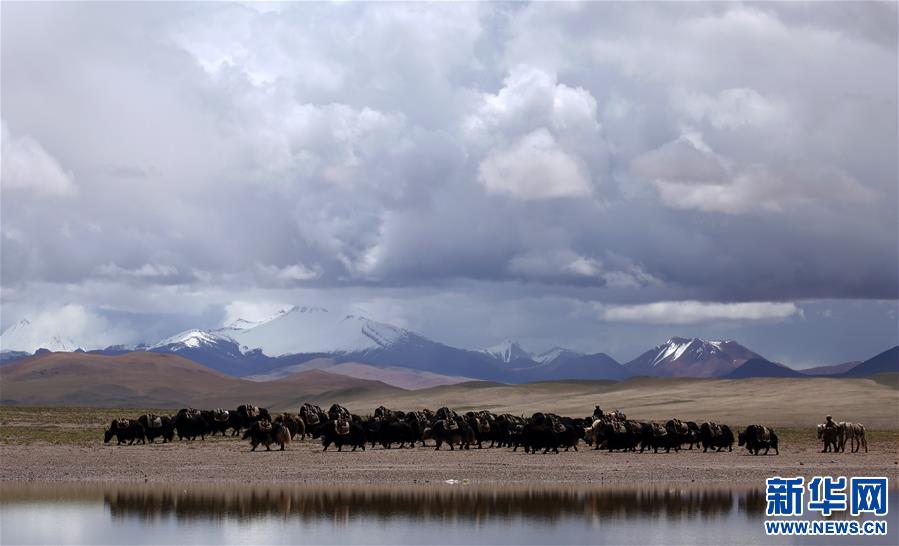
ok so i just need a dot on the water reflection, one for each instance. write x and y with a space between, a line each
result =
363 514
448 503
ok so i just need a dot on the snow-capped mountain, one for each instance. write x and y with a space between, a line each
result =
556 363
242 324
316 330
556 355
24 337
215 350
507 352
510 351
683 357
300 334
192 339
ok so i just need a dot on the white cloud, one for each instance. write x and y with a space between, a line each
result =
540 138
532 98
731 108
26 165
686 159
565 264
70 327
758 187
282 139
148 270
291 273
534 168
688 174
695 312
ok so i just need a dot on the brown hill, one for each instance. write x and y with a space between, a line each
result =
831 370
145 379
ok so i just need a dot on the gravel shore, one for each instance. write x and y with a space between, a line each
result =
230 461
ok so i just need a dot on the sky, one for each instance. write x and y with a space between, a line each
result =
599 176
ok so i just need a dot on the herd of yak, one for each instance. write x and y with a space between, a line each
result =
541 432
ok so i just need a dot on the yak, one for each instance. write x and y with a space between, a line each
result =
614 434
715 436
125 430
385 414
341 433
189 423
312 416
219 420
541 432
679 432
400 432
570 437
248 413
757 437
504 425
264 432
372 429
448 431
480 426
338 412
157 426
655 436
294 424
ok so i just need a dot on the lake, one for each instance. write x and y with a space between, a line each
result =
420 514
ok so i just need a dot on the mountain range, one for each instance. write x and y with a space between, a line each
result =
303 338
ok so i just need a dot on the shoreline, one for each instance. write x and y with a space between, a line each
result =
226 461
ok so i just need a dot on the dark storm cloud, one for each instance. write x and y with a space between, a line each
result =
619 154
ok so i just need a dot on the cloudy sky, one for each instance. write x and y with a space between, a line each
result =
600 176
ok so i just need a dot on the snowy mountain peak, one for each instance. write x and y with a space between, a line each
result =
242 324
677 347
189 339
692 357
22 336
305 329
556 353
507 351
21 324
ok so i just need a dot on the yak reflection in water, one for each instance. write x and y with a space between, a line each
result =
457 503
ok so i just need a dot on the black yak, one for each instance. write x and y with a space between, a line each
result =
715 436
341 433
157 426
125 430
264 432
656 436
190 423
757 437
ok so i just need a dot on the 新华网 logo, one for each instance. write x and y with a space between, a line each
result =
827 495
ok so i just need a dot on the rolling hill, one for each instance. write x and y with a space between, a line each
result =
759 367
833 369
147 379
885 362
779 402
